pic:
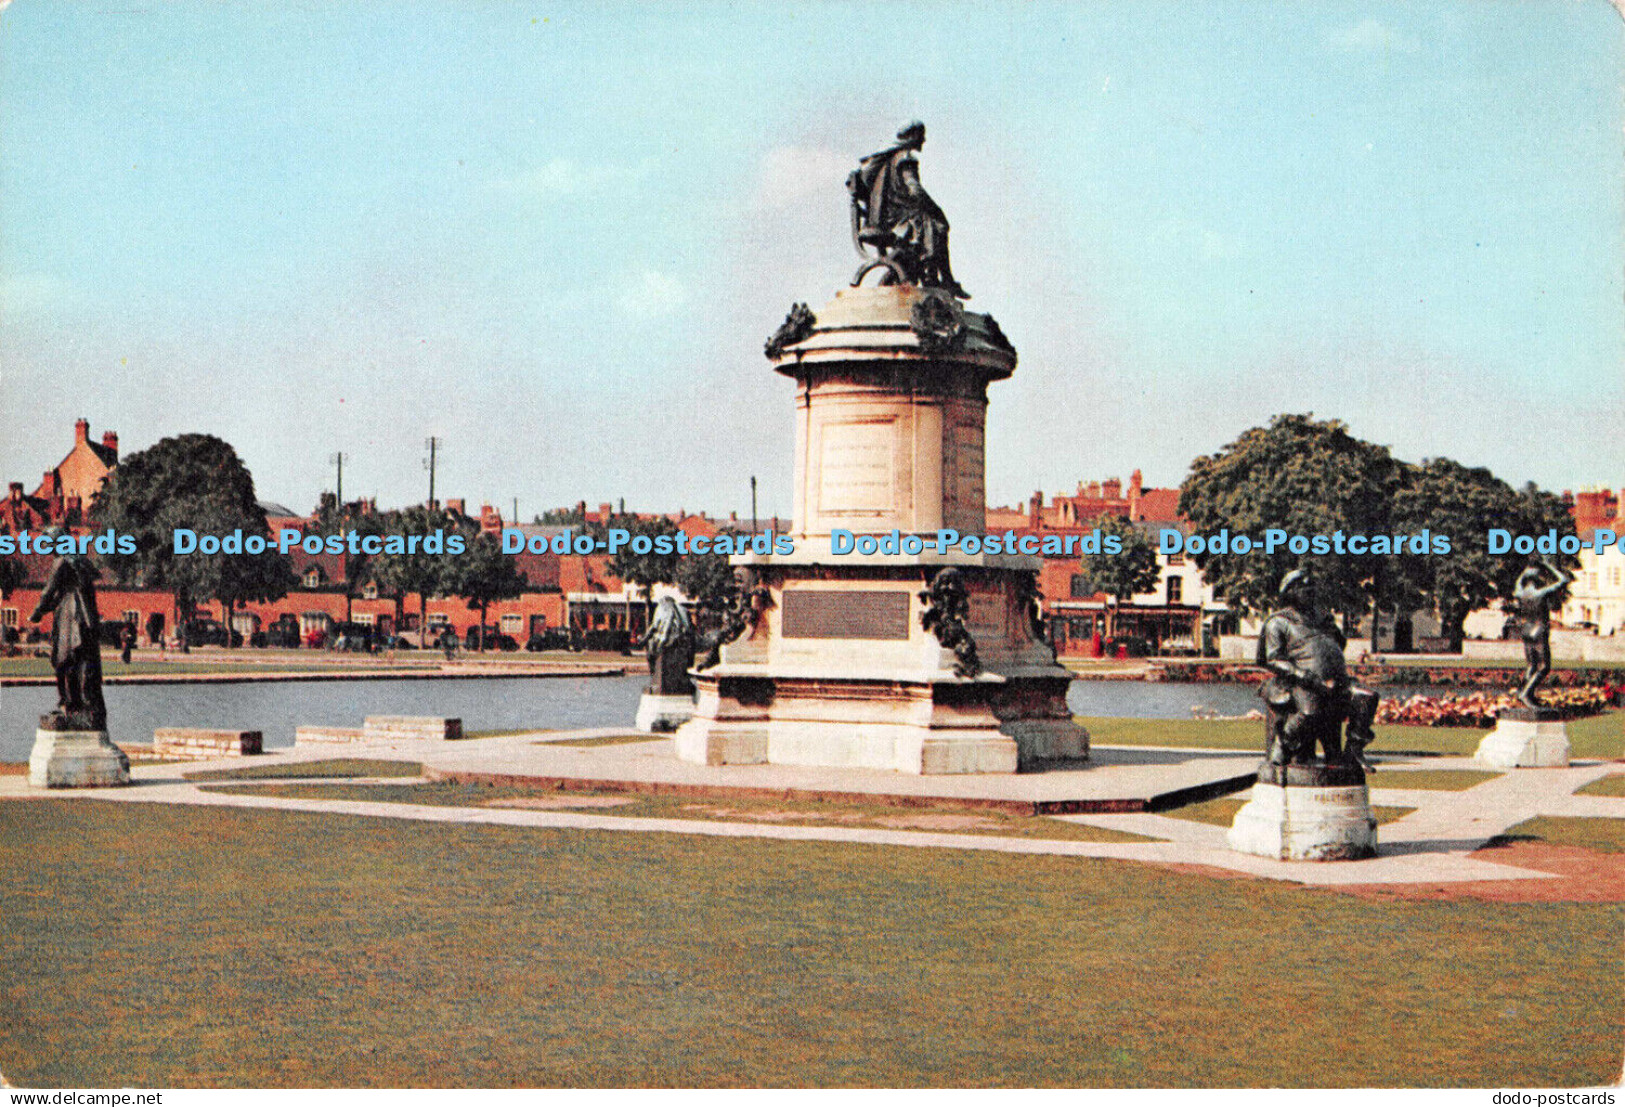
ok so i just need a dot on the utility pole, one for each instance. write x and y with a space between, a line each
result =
753 506
515 511
433 444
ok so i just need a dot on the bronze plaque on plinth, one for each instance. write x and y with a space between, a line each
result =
845 614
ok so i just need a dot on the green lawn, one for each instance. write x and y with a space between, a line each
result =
609 740
1430 780
446 793
1596 736
1222 811
184 946
1611 785
336 768
1604 835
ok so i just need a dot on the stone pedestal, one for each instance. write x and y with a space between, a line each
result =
839 669
1307 813
1526 738
663 714
75 758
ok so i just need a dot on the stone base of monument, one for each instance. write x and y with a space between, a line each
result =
663 714
923 723
77 758
1526 738
1307 813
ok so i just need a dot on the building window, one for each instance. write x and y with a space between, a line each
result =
370 592
1176 590
513 624
8 617
1176 559
313 578
133 618
365 618
1080 587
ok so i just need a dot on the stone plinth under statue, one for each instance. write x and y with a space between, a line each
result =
1526 738
68 753
901 657
1307 813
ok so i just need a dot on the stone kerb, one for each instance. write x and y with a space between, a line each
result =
202 743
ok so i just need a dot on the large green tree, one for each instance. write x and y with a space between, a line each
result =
1305 477
195 482
1461 503
406 571
1124 574
482 575
645 570
331 517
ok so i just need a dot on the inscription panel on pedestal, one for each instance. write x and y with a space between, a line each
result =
964 475
855 470
849 613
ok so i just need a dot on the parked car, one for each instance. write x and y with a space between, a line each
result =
553 638
611 641
211 632
351 638
283 634
494 639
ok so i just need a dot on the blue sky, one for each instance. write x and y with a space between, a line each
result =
555 236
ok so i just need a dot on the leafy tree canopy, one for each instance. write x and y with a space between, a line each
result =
1301 476
1124 574
197 482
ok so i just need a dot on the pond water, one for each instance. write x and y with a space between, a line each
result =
555 703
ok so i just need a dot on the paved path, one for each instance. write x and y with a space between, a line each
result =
1431 845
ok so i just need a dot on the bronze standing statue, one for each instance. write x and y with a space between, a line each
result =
895 217
669 645
1309 693
1531 607
70 597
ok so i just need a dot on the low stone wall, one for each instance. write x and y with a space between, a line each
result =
414 727
202 743
387 728
314 735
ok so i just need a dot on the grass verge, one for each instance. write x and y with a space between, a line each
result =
446 793
1430 780
609 740
1603 835
1222 812
1596 736
336 767
1611 785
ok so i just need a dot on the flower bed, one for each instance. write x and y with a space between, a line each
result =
1479 709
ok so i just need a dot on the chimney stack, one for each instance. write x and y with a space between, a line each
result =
110 442
81 431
